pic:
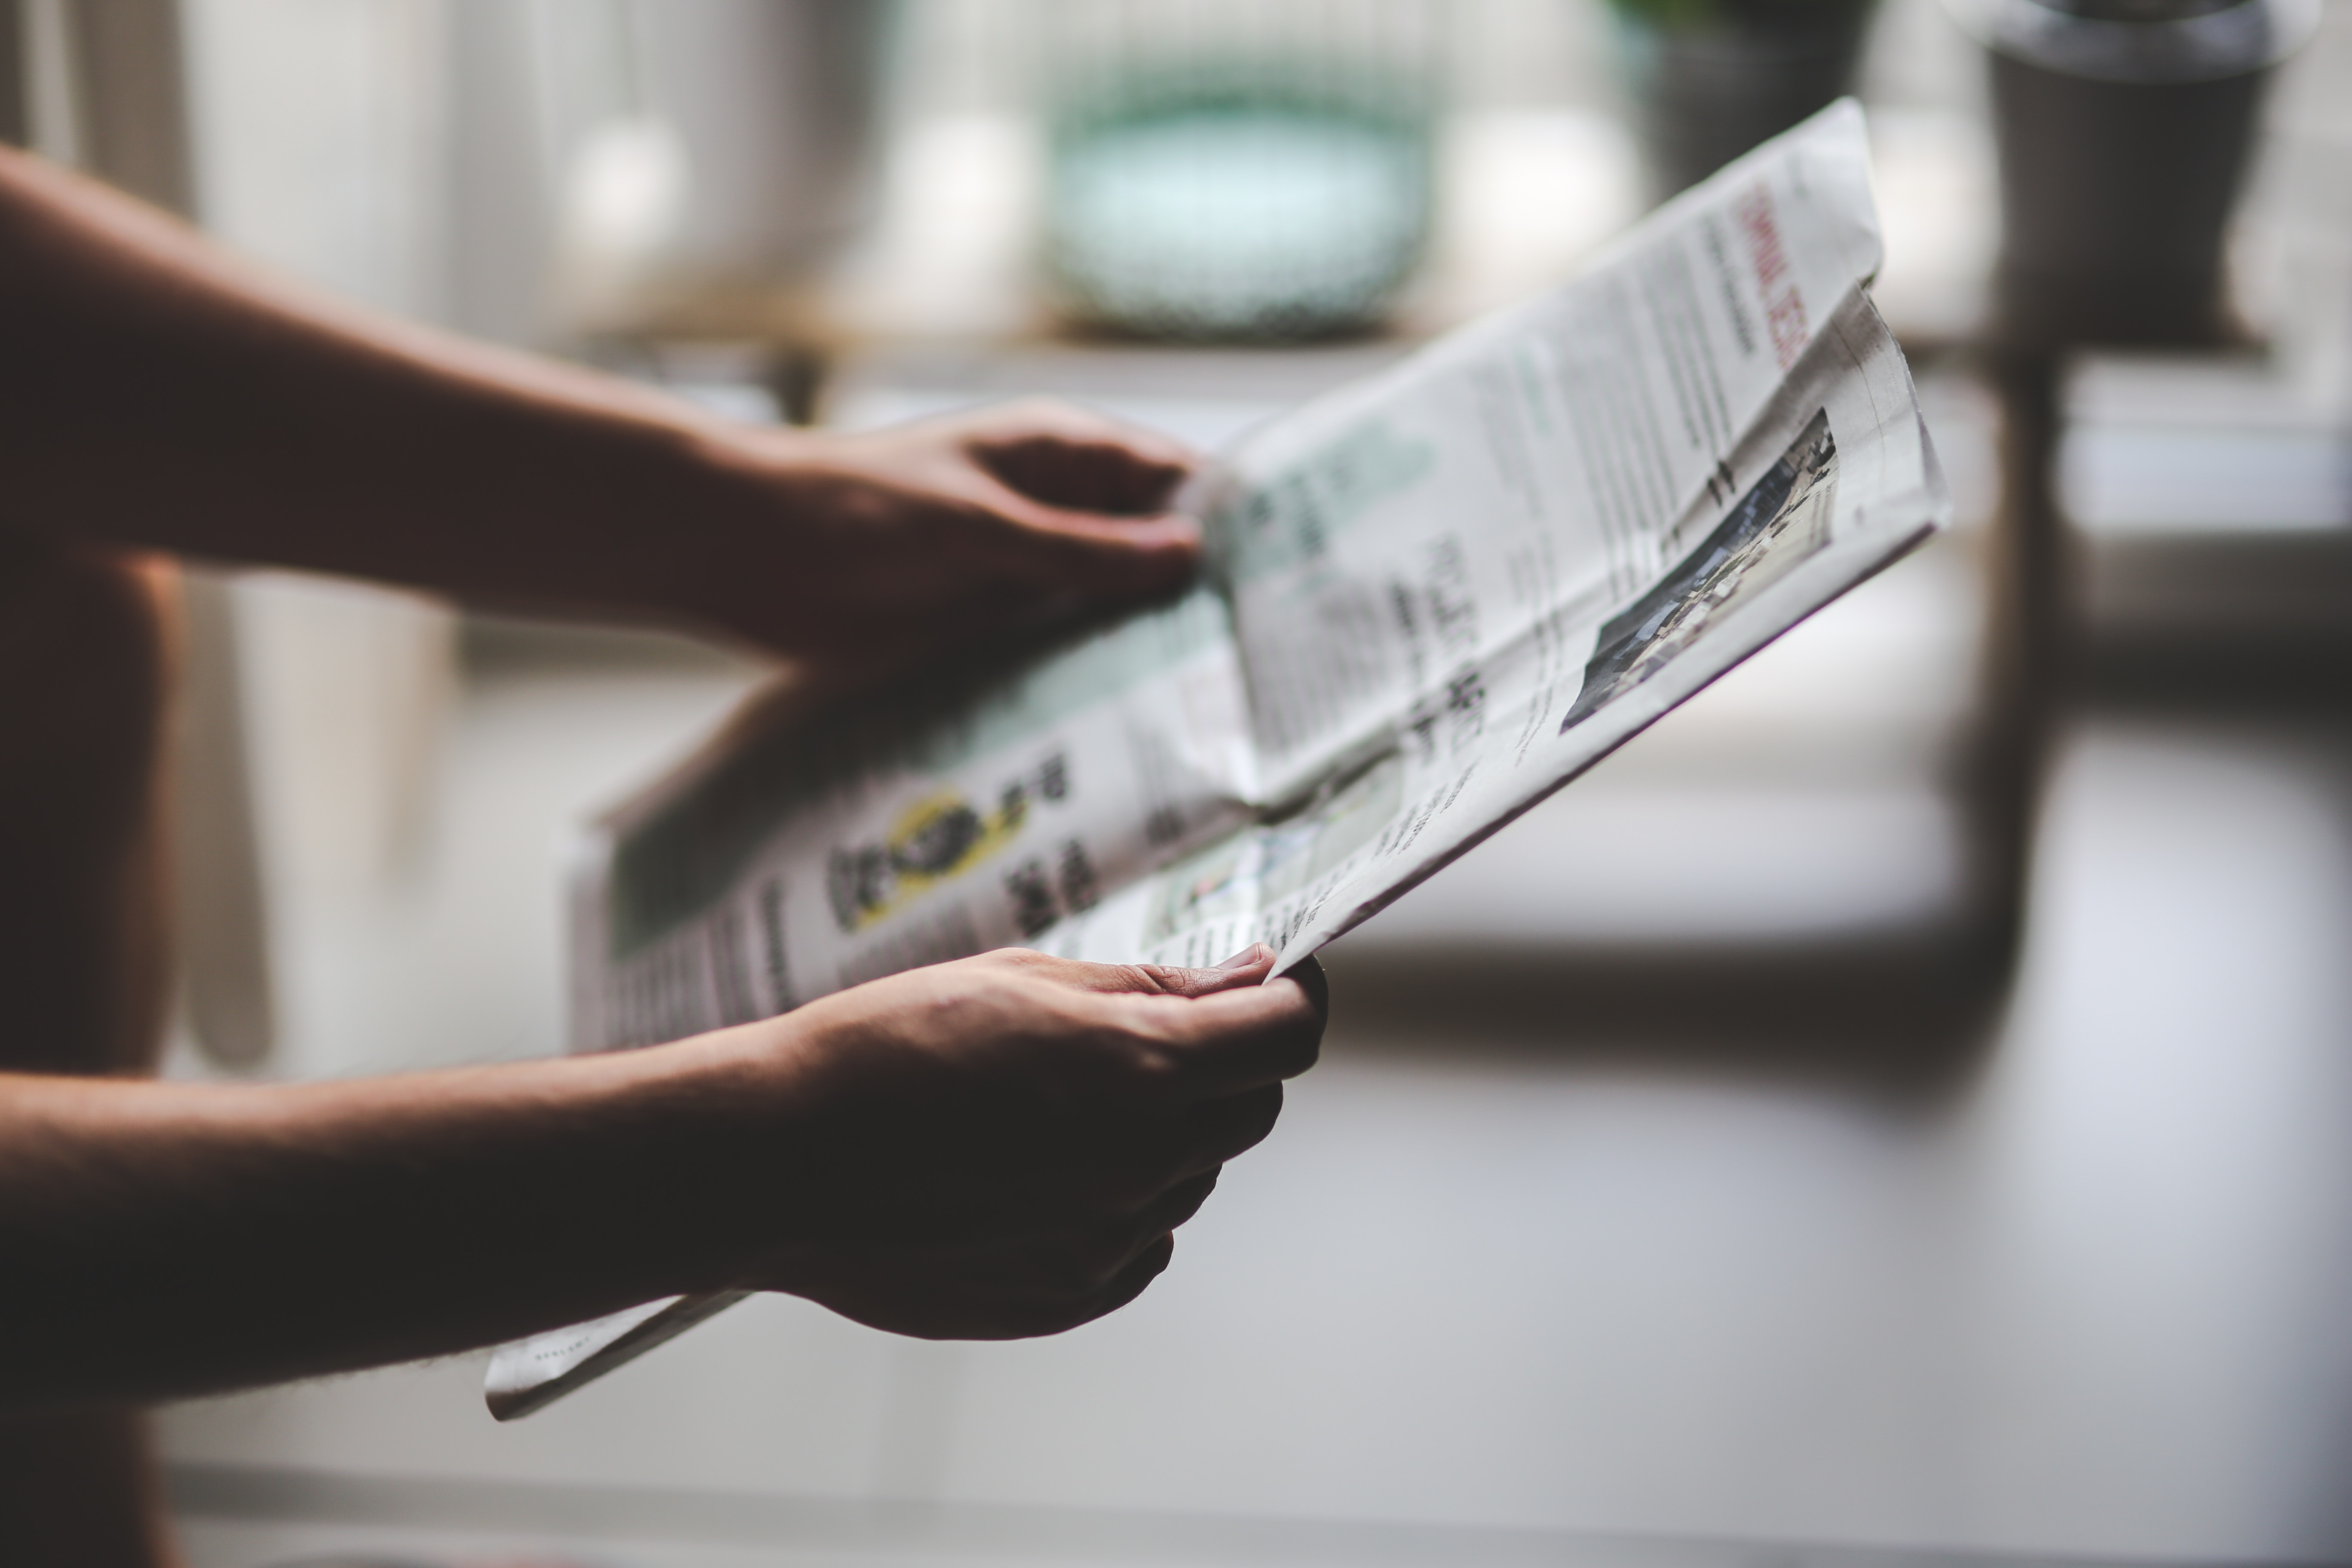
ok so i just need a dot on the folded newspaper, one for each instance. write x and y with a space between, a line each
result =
1434 597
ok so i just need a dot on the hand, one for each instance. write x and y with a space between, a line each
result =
1002 1147
271 427
910 538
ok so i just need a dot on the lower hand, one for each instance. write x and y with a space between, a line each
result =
1003 1146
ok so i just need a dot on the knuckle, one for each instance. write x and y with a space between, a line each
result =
1169 1160
1128 1185
1142 1062
1145 978
1072 1270
1186 1201
1028 418
1063 1316
1154 1068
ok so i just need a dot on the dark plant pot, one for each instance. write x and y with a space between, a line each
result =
2114 201
2124 145
1705 92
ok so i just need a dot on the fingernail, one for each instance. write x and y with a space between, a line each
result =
1172 529
1245 957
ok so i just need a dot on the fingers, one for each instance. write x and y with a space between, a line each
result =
1123 1287
1247 967
1176 1207
1309 972
1131 1281
1217 1031
1075 459
944 1300
1108 1245
1089 494
1086 1114
1011 1287
1073 1210
1220 1130
1057 547
1090 1293
1233 1041
1033 498
1145 1174
1083 1250
1193 1145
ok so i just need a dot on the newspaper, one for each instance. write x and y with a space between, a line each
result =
1433 598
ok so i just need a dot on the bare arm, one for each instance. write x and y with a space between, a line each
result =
988 1149
159 392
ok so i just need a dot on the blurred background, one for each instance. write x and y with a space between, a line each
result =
1900 1110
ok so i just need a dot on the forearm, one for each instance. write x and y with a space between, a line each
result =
160 394
162 1239
991 1148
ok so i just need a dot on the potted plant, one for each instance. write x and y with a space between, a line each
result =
1710 79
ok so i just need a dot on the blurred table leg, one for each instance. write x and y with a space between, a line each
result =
2026 652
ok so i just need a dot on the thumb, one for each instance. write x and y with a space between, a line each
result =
1065 547
1248 967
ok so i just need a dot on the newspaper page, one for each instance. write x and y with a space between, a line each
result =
1435 597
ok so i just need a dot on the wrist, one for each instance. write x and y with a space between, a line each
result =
721 1164
741 542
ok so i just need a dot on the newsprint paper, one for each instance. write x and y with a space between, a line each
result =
1435 597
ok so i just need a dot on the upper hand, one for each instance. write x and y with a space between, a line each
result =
908 537
1002 1146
